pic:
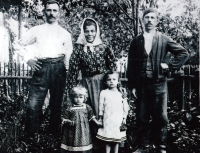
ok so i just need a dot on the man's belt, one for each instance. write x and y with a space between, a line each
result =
52 60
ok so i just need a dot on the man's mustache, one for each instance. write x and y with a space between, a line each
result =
51 16
149 24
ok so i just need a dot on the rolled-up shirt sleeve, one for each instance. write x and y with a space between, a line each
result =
69 48
24 46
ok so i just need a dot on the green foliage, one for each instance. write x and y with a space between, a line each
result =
183 127
12 121
183 28
116 21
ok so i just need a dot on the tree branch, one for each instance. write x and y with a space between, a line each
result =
133 12
121 9
141 25
123 24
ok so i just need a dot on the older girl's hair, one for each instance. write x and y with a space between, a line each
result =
78 90
119 86
89 22
108 73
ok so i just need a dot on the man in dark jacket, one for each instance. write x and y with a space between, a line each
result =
146 76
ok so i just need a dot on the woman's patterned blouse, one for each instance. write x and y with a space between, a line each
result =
90 63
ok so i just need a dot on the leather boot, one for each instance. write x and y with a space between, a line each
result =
161 151
142 150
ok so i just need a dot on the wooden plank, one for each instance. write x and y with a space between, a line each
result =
15 77
4 72
123 79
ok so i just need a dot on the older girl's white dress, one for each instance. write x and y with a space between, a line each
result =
113 108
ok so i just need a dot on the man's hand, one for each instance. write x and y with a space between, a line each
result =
134 93
180 72
124 121
35 65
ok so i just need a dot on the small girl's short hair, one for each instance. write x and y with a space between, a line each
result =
89 22
78 90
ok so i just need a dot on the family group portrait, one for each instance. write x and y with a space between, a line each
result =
99 76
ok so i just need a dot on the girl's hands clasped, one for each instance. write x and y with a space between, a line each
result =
99 122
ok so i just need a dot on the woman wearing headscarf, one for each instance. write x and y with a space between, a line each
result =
93 59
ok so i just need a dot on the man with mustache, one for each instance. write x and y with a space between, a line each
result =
46 49
147 54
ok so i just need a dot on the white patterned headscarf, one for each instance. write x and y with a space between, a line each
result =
81 39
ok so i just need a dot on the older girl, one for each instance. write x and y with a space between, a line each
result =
113 110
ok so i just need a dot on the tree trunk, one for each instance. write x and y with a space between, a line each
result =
133 14
20 21
199 56
137 16
19 26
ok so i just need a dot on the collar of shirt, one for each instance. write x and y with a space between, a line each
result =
54 25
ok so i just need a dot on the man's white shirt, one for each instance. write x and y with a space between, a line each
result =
148 40
45 41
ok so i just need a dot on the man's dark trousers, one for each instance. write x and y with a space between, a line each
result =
51 76
152 101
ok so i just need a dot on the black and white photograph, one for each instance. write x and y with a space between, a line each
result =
99 76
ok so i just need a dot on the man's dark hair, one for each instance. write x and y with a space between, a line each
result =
150 10
47 2
89 22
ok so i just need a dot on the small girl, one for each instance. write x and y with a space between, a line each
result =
113 109
76 130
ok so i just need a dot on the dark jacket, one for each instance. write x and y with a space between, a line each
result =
161 46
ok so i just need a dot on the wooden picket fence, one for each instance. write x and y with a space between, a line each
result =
14 78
